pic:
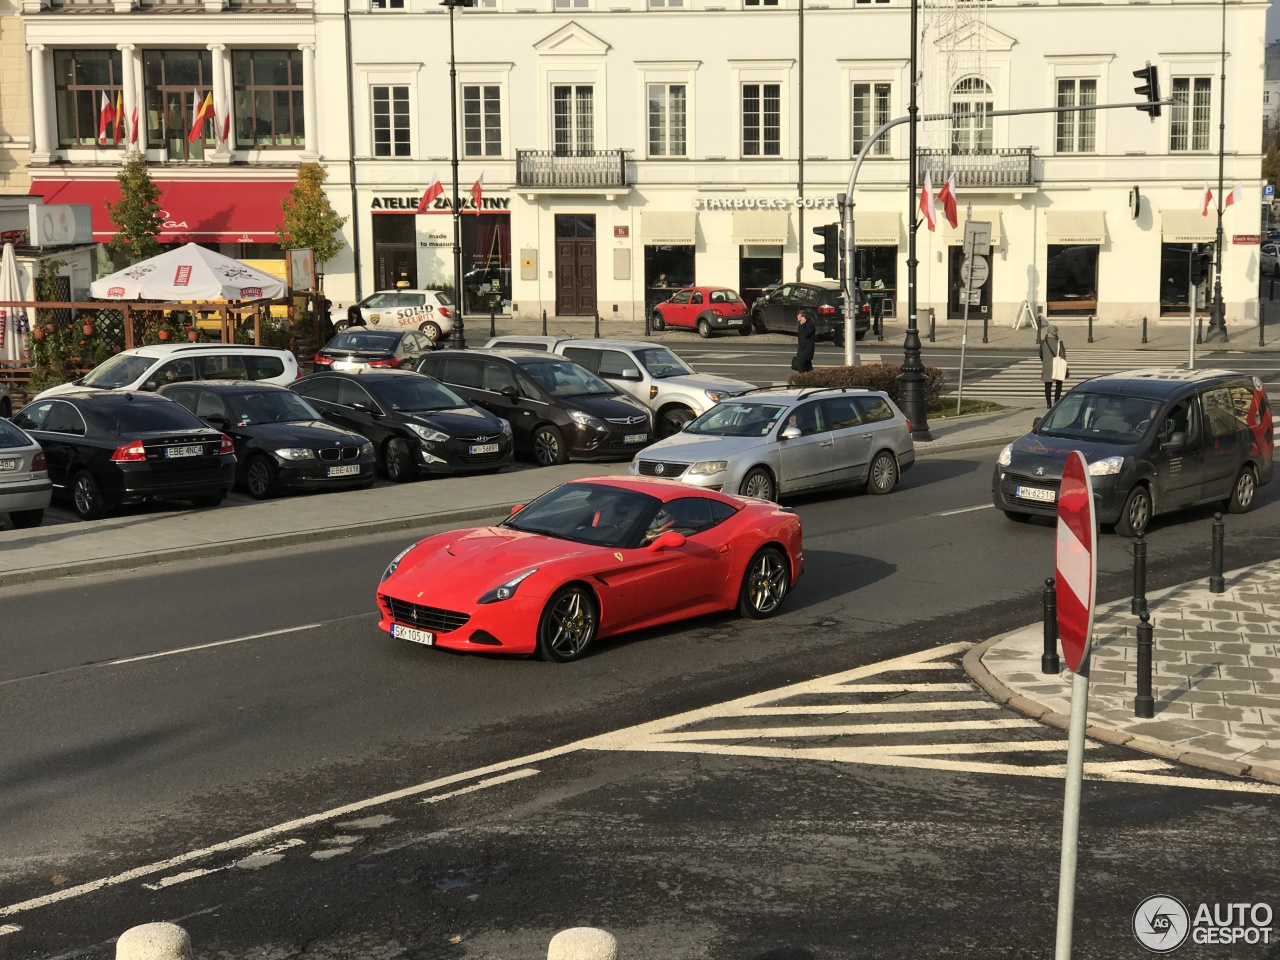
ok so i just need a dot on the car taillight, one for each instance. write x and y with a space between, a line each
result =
866 308
386 362
227 447
910 429
38 462
826 308
133 450
444 312
319 361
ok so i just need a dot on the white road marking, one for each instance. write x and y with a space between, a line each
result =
816 709
952 513
669 735
483 784
263 857
8 928
210 646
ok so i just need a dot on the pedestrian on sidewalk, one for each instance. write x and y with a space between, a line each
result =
1053 365
806 338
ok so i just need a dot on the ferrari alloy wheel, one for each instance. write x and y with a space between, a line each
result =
883 474
548 446
399 461
260 478
568 624
86 497
657 322
431 330
765 584
759 484
1242 493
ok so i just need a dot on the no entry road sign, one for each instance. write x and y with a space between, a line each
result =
1076 564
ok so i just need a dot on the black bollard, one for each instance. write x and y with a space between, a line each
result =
1091 328
1139 573
493 330
1144 705
880 321
985 318
1262 322
933 331
648 324
1199 330
1049 603
597 327
544 323
1144 329
1216 582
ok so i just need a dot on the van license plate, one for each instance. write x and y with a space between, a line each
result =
484 448
192 451
352 470
635 438
1035 493
412 635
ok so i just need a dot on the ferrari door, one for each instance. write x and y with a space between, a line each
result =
675 581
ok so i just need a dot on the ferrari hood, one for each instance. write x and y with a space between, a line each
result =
454 569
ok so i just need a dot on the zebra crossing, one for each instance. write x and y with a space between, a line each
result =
1021 380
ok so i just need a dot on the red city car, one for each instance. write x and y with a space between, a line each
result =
705 309
590 559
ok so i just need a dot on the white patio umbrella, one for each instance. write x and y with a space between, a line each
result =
189 272
12 320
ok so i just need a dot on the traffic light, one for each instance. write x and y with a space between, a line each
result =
1150 88
1201 264
829 248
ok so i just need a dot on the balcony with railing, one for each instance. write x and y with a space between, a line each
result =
585 170
1002 169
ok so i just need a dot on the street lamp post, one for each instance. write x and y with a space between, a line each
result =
459 326
912 378
1218 315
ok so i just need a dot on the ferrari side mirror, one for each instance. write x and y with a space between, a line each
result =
668 541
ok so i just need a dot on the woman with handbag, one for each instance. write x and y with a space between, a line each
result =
1053 365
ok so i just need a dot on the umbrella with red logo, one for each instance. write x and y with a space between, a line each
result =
189 272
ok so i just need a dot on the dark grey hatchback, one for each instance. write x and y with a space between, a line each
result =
1155 440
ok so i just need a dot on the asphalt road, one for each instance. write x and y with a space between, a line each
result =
234 745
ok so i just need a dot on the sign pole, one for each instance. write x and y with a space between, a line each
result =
1076 569
968 285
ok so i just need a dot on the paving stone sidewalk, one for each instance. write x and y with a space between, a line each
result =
1215 675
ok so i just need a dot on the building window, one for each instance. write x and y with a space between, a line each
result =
760 3
388 4
971 130
81 77
268 98
177 83
573 4
390 121
1077 132
870 112
1189 115
481 120
667 112
761 119
658 4
1071 280
573 113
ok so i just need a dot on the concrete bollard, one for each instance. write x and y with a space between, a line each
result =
154 941
583 943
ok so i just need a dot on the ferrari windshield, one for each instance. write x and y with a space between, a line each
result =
588 513
1104 417
734 419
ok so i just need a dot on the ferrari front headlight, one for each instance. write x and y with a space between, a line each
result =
391 567
507 590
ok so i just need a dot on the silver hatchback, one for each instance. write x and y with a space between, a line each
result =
775 442
24 477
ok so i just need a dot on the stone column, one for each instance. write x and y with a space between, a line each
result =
132 109
43 134
311 151
222 151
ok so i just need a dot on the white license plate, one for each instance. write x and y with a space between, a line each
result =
734 321
8 464
412 635
1035 493
484 448
635 438
192 451
348 471
345 366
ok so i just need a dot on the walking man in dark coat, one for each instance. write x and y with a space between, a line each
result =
806 336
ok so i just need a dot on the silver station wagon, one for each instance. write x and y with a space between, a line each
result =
774 442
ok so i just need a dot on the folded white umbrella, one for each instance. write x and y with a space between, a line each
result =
190 272
12 340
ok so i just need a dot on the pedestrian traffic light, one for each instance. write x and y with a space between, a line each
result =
829 248
1150 88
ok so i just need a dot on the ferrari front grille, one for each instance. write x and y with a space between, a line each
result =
428 618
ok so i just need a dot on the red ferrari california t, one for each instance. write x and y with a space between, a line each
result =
589 559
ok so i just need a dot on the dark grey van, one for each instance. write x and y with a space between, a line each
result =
1155 440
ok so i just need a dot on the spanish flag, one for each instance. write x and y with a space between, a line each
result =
203 111
118 119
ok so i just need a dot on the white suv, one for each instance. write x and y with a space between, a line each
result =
151 367
427 311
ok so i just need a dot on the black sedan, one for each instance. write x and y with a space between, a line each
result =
359 349
417 425
106 449
281 441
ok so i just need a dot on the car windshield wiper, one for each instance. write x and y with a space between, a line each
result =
541 531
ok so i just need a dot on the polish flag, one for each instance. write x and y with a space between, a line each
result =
477 190
947 197
202 111
1205 200
926 200
433 190
226 126
117 119
105 116
1231 197
133 126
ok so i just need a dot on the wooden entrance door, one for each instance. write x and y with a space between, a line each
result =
575 265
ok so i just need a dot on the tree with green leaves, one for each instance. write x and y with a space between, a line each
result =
309 220
137 215
1271 166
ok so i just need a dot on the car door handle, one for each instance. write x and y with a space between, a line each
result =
866 436
827 443
724 548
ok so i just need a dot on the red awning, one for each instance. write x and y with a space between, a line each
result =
200 211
